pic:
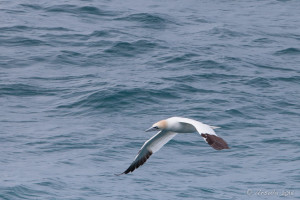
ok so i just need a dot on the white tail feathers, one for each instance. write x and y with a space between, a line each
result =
214 127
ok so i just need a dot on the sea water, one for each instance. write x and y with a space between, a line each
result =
81 80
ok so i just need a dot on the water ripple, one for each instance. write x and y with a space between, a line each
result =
22 192
23 90
81 80
69 8
119 99
147 20
288 51
130 49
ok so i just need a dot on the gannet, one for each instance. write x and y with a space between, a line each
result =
168 128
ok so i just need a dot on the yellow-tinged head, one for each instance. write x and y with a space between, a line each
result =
161 125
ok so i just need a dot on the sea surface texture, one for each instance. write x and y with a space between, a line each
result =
81 80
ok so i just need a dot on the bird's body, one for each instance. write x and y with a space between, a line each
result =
168 128
185 125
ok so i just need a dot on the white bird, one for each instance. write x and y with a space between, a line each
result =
168 128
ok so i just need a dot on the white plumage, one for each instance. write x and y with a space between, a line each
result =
167 130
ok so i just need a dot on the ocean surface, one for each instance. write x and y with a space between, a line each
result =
81 80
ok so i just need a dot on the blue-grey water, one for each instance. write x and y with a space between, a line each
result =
80 81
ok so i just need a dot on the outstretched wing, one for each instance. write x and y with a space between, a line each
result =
207 133
150 146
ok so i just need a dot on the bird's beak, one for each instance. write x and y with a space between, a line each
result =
150 129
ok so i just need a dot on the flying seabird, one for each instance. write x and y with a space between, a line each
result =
168 128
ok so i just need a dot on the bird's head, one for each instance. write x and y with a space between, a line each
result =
161 125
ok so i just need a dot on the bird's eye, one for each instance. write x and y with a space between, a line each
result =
156 127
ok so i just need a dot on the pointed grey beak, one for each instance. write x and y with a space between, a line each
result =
150 129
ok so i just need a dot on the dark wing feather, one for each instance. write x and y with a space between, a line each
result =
150 146
215 141
138 163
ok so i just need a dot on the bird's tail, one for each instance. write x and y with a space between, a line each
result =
214 127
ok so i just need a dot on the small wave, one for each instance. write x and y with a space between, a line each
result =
259 82
22 192
64 55
210 64
144 17
230 58
181 58
208 76
23 90
291 79
147 20
120 99
281 141
32 6
226 33
263 41
16 28
235 112
100 34
288 51
187 89
22 28
96 11
23 41
67 145
91 10
263 66
51 183
69 57
61 8
130 49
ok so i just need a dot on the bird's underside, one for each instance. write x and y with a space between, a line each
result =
161 138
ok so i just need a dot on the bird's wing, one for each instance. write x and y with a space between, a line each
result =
150 146
207 133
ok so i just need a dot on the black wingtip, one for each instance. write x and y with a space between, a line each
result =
120 174
125 172
136 164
